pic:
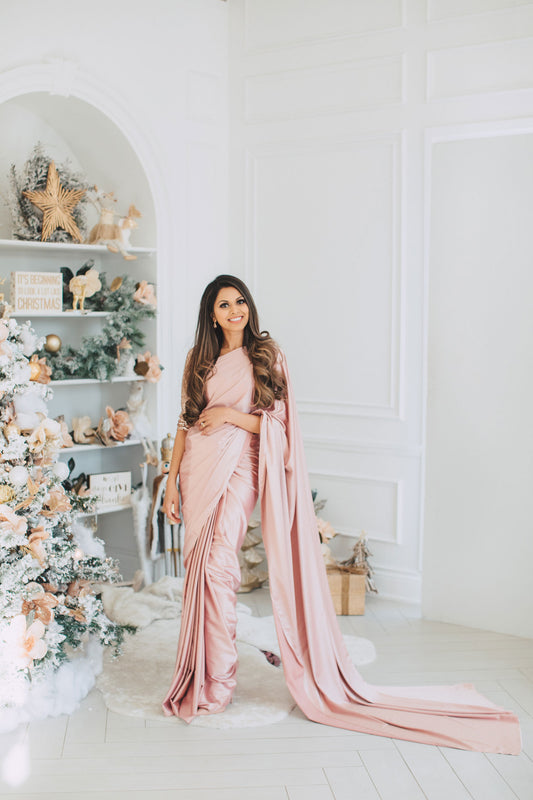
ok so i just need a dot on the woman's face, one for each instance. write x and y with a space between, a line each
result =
230 310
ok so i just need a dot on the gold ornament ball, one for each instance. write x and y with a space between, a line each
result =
53 343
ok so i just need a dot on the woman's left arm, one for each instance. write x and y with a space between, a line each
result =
250 422
212 418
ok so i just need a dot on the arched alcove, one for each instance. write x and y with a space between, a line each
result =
34 92
85 124
69 127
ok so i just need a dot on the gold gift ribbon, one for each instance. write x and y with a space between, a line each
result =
345 593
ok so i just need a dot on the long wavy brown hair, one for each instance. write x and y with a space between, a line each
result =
262 352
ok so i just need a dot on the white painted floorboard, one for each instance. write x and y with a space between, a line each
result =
95 754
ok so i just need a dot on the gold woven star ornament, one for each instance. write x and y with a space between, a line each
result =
56 203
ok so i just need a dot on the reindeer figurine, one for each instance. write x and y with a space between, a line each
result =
126 225
106 231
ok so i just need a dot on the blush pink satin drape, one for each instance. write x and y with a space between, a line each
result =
320 676
219 489
318 670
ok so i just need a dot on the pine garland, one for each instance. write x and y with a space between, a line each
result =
96 357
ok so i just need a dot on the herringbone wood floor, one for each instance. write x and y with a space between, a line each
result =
98 755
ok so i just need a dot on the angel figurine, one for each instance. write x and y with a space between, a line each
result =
83 286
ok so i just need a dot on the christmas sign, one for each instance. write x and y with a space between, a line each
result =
111 488
37 292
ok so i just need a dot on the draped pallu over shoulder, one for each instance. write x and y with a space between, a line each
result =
318 670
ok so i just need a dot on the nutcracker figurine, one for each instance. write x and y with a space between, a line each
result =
166 537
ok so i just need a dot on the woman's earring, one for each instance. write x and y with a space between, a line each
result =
214 323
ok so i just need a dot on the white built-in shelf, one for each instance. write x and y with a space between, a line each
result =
69 247
104 510
86 381
78 448
61 314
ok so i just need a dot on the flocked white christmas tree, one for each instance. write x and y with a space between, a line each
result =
52 625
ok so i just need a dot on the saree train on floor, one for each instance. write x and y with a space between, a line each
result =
221 475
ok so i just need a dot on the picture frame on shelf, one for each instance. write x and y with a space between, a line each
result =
38 292
111 488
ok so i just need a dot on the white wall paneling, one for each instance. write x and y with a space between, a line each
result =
448 9
379 497
374 487
328 89
480 334
480 68
302 201
308 21
319 157
329 107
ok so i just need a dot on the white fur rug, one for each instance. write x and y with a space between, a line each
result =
136 683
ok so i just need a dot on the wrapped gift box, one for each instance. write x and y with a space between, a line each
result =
347 590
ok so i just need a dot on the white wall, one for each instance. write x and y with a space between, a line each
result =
357 131
326 226
333 109
479 498
478 546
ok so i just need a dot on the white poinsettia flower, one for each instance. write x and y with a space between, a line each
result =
46 432
25 644
12 522
51 427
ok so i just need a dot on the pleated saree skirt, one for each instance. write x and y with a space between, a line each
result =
205 675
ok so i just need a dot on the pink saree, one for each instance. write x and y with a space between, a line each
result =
220 475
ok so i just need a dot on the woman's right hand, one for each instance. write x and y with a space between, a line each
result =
171 503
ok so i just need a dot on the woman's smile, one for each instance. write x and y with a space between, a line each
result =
231 313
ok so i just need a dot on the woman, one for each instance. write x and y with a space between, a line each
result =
238 437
